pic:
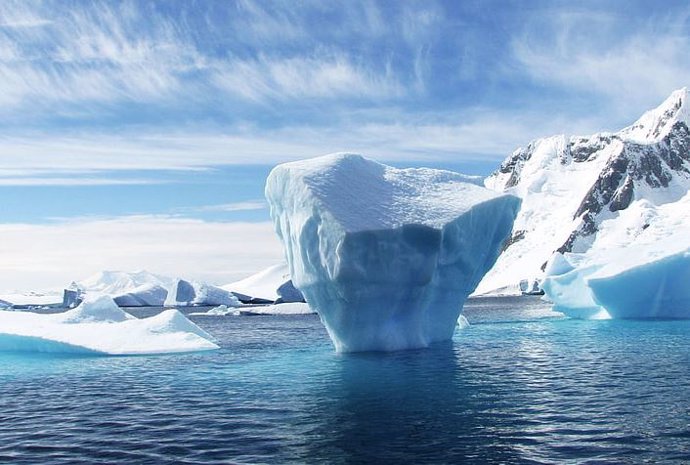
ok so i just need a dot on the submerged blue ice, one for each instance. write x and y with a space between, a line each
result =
386 256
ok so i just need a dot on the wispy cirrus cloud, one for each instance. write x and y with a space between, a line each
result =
233 207
483 136
629 61
74 181
113 53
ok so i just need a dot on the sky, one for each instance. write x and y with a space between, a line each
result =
138 135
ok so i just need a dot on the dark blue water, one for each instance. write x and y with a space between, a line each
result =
518 386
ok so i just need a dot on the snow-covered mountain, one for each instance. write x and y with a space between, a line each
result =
121 282
581 194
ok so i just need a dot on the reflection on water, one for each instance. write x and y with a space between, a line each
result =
520 385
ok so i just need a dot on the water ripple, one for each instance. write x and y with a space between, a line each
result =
533 389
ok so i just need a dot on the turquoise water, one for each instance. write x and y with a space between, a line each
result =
518 386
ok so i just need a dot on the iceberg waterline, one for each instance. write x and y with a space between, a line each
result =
386 256
99 326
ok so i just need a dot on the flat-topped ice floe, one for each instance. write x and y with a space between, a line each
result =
99 326
386 256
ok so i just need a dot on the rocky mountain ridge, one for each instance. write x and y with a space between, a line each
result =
571 185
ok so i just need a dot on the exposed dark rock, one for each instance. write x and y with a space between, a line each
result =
515 237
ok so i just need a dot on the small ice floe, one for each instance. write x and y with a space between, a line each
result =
99 326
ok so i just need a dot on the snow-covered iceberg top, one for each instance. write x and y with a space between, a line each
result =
99 326
386 256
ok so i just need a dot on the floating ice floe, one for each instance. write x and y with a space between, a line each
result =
293 308
99 326
386 256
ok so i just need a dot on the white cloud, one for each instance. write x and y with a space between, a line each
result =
74 181
303 77
101 53
634 66
51 255
478 135
233 207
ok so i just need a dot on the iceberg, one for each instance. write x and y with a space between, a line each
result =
656 289
638 271
270 285
386 256
292 308
184 293
146 295
129 289
98 326
566 286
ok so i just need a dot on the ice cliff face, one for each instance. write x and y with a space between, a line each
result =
386 257
572 186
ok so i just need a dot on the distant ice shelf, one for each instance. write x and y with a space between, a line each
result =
98 326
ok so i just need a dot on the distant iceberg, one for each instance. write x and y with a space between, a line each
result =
192 293
146 295
270 285
128 289
386 256
99 326
293 308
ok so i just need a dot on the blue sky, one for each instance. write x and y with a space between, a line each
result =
163 118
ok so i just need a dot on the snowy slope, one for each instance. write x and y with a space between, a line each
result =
270 284
184 293
582 193
31 299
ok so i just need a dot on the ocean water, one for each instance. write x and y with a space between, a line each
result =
520 385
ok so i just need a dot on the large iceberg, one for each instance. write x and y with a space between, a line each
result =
386 256
99 326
